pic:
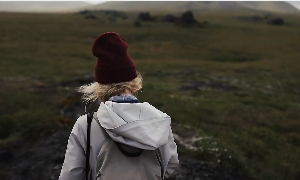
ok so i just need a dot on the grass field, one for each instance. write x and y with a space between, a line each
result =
248 102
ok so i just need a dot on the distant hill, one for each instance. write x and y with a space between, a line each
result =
274 6
295 4
41 6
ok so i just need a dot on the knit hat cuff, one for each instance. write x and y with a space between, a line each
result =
116 75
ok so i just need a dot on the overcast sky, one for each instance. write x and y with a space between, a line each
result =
295 3
95 2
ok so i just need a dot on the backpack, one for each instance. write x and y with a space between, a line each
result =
119 161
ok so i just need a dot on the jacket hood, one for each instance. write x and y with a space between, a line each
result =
138 125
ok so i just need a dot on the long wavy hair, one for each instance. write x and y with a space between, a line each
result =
103 92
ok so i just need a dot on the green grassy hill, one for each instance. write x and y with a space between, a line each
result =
275 6
234 82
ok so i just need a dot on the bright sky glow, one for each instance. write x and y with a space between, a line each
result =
95 2
295 3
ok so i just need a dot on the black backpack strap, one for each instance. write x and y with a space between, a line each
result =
160 160
87 153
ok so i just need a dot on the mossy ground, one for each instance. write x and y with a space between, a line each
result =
257 122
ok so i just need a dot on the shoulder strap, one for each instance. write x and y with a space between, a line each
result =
159 158
103 130
87 153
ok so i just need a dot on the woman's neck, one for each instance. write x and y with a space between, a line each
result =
126 92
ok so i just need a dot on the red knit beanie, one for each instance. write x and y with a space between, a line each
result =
114 65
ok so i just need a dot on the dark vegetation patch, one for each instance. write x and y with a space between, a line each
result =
90 16
137 24
42 160
72 107
85 79
111 15
115 14
252 70
268 19
84 12
234 56
170 18
182 74
202 80
214 151
184 131
7 127
207 85
186 19
145 16
191 169
275 21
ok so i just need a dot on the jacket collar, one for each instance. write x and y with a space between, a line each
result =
124 99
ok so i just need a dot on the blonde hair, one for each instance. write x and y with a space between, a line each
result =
103 92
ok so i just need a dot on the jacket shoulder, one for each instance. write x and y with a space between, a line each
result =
163 114
79 129
81 121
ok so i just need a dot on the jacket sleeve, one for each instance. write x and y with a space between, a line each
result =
171 156
74 164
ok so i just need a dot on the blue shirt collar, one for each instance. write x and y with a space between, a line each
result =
124 99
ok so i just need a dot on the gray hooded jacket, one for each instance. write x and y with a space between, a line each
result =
138 125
